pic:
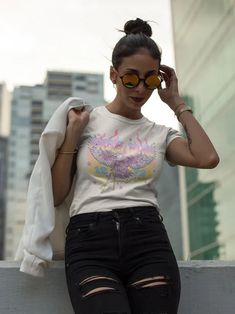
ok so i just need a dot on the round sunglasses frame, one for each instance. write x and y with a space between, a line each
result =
141 79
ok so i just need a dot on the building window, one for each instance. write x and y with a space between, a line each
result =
80 77
80 88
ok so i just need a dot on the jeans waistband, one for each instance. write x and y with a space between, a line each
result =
116 212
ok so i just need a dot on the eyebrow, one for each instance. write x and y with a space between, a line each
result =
136 71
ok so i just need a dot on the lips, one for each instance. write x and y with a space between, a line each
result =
137 99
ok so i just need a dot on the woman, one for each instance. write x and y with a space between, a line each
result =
118 256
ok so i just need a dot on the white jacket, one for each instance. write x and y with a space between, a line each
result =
43 236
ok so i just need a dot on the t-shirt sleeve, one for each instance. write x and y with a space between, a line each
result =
171 135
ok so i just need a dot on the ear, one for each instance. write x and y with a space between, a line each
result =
113 75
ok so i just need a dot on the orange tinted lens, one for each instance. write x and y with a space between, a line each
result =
130 80
153 81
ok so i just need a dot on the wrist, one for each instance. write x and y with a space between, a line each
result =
68 146
175 102
74 127
68 152
179 107
182 110
72 137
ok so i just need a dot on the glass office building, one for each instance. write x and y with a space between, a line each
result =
169 201
204 51
3 176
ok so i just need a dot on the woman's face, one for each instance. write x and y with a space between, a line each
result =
142 64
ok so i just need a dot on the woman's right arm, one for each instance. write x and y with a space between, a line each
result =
63 168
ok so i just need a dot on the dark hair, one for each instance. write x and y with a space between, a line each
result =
138 33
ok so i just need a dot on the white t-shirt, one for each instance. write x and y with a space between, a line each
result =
119 162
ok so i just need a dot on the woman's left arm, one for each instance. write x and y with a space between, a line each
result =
196 151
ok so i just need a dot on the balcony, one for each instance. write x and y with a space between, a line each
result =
208 287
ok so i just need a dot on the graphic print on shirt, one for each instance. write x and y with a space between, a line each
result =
111 160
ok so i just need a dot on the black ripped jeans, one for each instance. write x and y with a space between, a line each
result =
121 262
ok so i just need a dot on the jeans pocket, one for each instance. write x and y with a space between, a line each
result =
149 218
74 232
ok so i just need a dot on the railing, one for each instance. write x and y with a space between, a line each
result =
208 287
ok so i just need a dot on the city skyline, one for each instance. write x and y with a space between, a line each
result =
55 44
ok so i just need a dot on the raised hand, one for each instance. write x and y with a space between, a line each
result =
78 117
169 94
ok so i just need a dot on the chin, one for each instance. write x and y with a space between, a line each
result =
137 102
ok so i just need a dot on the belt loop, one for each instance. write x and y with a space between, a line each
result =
115 214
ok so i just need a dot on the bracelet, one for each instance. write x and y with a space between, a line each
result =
182 103
74 152
187 108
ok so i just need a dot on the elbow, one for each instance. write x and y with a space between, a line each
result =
211 163
59 194
214 161
57 202
58 199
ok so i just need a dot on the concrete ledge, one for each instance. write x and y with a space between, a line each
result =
208 287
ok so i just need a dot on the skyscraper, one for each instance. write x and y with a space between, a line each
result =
61 85
3 175
4 132
24 133
4 110
204 51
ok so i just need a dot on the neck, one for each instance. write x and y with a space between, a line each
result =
116 106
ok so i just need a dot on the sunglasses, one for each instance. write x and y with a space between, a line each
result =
131 80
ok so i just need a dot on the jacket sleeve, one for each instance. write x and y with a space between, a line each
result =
35 249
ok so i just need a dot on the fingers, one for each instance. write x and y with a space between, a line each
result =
166 69
79 108
168 72
165 76
78 116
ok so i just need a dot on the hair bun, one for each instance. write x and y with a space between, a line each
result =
137 26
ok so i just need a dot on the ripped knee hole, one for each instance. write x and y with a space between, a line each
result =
96 289
152 281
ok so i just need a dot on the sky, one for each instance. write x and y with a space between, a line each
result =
77 35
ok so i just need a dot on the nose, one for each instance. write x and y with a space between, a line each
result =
140 88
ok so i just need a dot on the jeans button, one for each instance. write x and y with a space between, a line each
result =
138 220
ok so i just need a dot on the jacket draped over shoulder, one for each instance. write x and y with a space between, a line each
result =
43 237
